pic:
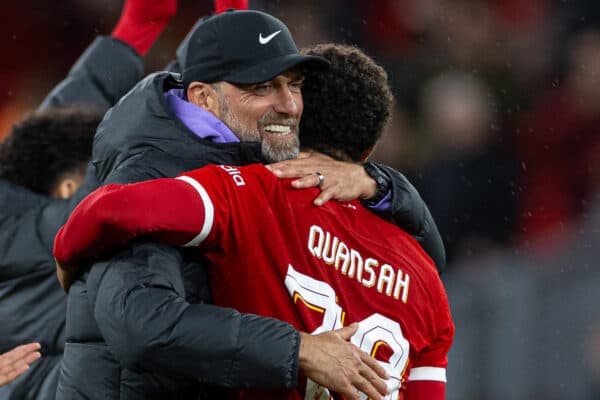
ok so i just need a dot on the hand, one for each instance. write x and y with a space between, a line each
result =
342 180
332 361
16 361
65 276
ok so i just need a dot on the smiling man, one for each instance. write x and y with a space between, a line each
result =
251 112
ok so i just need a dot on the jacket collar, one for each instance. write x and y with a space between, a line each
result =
201 122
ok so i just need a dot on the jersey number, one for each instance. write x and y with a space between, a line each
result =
373 332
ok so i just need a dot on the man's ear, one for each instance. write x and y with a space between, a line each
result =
205 96
65 188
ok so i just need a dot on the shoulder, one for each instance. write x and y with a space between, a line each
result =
15 199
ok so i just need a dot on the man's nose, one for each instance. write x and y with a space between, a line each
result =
287 102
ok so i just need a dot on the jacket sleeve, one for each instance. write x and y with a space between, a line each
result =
101 76
409 211
139 304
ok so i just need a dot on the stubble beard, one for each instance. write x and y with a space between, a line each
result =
273 150
280 150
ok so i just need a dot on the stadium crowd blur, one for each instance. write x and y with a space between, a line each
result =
497 123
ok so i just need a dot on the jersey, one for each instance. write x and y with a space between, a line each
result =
275 254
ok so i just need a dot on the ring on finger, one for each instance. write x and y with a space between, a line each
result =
321 178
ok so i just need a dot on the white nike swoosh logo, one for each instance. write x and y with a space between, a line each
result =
265 40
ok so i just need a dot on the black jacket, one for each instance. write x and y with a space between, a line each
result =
32 304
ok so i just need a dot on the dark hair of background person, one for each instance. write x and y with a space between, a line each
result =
352 95
47 145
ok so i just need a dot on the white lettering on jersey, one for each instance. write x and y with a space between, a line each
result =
235 174
369 271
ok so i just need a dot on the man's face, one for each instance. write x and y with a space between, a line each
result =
267 112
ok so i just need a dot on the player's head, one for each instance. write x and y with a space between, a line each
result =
244 67
48 151
346 106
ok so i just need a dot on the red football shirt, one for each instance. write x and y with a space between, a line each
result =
276 254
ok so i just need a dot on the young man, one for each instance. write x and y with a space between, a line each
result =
42 163
275 254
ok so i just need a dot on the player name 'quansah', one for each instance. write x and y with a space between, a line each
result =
368 271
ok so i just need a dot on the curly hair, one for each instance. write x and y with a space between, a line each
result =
47 145
347 105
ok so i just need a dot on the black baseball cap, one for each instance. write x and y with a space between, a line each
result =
242 47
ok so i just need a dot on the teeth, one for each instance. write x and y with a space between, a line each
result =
280 129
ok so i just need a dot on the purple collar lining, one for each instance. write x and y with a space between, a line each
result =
201 122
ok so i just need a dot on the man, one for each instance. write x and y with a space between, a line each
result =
317 268
42 163
15 362
156 138
48 151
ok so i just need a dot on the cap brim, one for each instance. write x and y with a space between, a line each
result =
269 69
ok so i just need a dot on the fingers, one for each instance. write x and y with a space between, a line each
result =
16 361
305 165
372 381
19 352
308 181
347 332
325 195
330 360
365 381
370 388
371 377
374 366
350 394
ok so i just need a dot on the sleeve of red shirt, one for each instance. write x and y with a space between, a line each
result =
427 376
167 210
141 22
224 5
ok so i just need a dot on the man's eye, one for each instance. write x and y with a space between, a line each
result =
261 89
296 86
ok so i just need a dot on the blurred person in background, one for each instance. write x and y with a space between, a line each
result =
558 142
44 158
280 254
469 183
16 361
